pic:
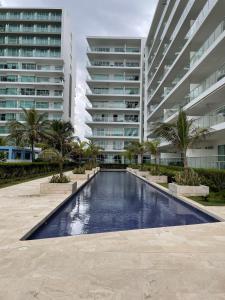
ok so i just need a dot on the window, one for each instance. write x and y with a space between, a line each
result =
28 66
26 104
42 92
41 53
58 93
42 105
27 92
42 41
28 28
8 104
13 40
28 40
42 79
27 79
42 28
13 52
14 27
42 15
26 52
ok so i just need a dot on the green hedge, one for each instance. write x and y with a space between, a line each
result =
214 178
10 172
113 166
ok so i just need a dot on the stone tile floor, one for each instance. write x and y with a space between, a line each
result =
186 262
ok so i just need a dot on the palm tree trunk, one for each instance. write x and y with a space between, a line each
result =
61 169
32 150
185 161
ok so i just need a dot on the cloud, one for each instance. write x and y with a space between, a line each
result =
96 17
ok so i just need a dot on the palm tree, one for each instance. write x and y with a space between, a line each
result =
78 150
93 151
153 148
31 130
59 137
129 155
182 134
137 148
2 141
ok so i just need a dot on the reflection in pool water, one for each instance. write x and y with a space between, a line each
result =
114 201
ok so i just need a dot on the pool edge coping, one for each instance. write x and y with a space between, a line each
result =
181 198
51 213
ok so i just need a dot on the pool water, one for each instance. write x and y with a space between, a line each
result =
115 201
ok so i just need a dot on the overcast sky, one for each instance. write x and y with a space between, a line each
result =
96 17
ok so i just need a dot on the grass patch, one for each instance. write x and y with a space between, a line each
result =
213 199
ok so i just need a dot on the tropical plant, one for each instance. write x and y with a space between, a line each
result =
2 141
128 154
152 147
188 177
137 148
92 152
79 170
182 134
30 131
78 150
59 136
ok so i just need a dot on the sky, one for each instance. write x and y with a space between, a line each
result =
96 17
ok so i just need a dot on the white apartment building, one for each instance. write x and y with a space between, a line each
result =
36 64
185 68
115 92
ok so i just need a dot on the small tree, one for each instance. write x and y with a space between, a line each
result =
137 149
59 137
31 130
153 148
78 151
181 134
92 152
129 155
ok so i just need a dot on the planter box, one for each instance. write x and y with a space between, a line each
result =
79 176
143 173
187 190
58 188
157 179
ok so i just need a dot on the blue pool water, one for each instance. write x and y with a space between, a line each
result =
114 201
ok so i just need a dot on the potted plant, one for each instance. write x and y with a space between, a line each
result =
182 135
152 147
59 137
79 174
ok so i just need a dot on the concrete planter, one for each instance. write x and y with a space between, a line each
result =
187 190
58 188
157 179
143 173
75 177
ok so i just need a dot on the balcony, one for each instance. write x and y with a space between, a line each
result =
113 64
108 78
117 50
121 119
29 17
116 92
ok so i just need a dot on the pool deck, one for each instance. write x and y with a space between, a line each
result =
185 262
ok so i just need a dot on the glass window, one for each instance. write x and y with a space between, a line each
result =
14 27
42 79
27 92
41 53
28 66
26 104
28 28
13 40
12 52
27 78
42 105
26 52
42 92
42 28
58 93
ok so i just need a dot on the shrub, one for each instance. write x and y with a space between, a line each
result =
79 170
59 179
11 172
188 177
215 179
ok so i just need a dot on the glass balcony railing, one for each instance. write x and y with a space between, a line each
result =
116 105
114 50
201 17
29 53
115 120
29 79
116 134
114 64
29 66
115 78
34 17
115 92
29 92
208 43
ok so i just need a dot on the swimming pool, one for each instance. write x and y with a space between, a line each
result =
116 201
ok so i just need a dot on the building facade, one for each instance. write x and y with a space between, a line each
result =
36 64
115 93
185 68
